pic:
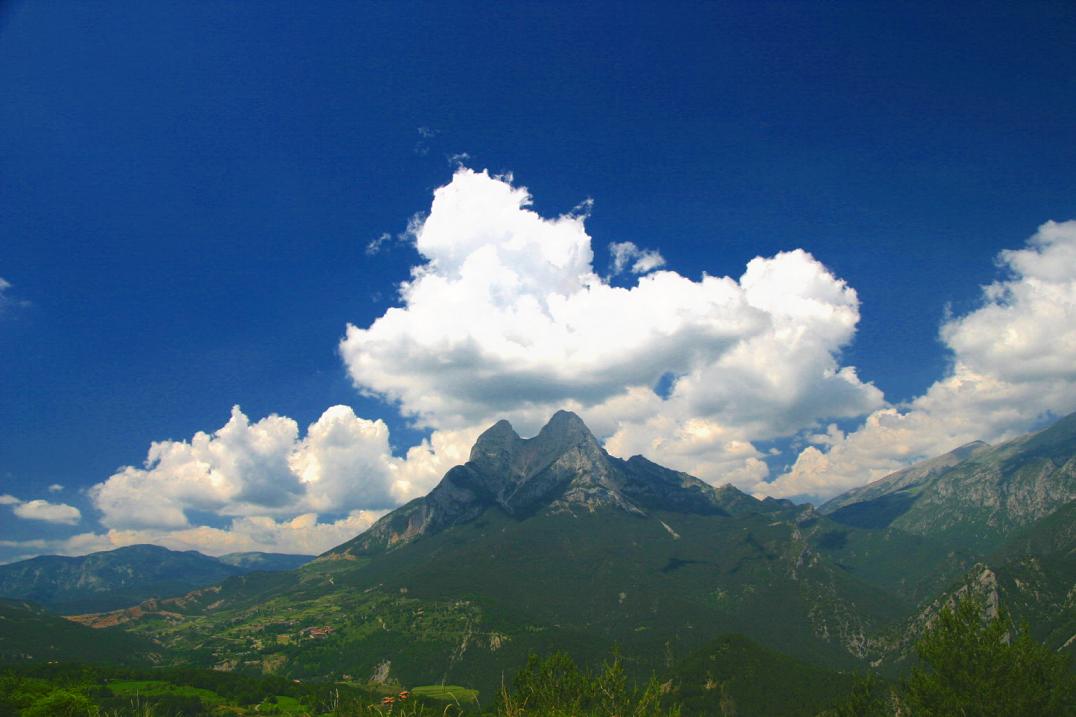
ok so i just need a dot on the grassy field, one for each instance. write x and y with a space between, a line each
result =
73 690
447 693
282 704
158 688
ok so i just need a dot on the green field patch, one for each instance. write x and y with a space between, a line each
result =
159 688
282 704
447 693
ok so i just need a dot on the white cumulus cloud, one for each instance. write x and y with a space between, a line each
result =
240 469
1012 367
627 256
263 472
507 318
43 510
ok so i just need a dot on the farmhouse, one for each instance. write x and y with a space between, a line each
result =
317 633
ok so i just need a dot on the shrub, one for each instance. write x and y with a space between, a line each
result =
61 703
556 687
974 669
971 668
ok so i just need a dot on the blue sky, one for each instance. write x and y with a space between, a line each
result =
188 191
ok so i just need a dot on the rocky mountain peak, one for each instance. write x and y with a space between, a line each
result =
567 429
496 445
498 434
505 460
562 469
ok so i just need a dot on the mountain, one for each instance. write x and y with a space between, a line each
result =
974 497
995 522
1036 577
1032 576
561 470
125 576
549 543
900 486
28 632
536 545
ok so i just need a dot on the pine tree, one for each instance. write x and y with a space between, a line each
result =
975 669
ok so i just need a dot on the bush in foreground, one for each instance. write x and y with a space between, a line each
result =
984 670
972 668
556 687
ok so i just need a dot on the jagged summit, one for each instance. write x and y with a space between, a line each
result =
499 434
565 426
562 469
502 452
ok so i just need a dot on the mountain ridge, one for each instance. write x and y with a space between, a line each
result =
975 496
904 478
125 576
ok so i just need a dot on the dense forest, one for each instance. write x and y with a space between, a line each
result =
967 666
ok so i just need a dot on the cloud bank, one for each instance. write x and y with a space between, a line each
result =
271 481
302 535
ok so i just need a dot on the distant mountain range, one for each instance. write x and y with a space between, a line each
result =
249 562
126 576
550 543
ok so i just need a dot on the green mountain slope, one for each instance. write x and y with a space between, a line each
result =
30 633
1036 576
1033 576
975 497
902 484
995 522
732 675
125 576
471 602
537 545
